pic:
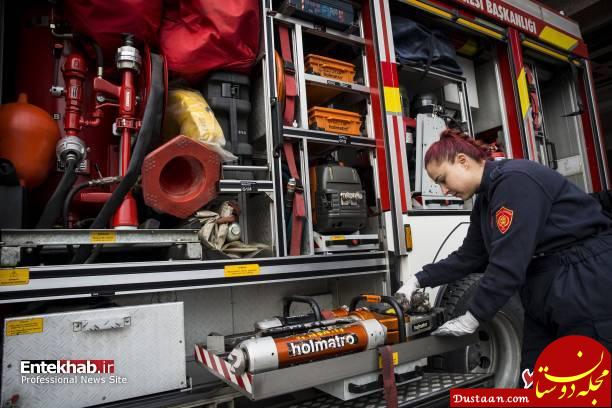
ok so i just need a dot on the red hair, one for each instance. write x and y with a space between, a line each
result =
451 143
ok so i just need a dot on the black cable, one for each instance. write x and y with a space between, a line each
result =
53 208
446 239
443 287
99 56
105 181
68 200
151 124
84 40
94 254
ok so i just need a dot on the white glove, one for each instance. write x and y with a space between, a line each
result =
404 294
459 326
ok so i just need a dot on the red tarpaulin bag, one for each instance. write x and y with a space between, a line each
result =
104 21
198 36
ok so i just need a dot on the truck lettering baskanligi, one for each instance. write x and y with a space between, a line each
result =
504 13
510 16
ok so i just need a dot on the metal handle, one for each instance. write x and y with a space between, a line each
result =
551 152
401 322
102 324
245 168
276 111
333 118
302 299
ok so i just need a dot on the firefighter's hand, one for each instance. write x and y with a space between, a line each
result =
404 294
458 326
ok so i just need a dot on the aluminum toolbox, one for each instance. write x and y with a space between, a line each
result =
145 343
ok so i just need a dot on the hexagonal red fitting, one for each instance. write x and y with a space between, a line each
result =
180 177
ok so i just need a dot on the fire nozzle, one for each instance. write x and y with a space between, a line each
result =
128 61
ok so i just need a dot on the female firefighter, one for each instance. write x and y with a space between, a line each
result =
530 231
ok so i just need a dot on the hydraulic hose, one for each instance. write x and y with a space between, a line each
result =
53 208
91 183
151 124
84 40
99 58
68 200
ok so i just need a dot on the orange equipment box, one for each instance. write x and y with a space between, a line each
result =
334 121
330 68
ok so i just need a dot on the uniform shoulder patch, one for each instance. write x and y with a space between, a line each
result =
503 219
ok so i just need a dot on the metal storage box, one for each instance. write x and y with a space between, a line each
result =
141 348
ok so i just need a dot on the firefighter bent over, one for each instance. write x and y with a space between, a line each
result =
531 231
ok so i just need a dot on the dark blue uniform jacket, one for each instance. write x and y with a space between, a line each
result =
523 210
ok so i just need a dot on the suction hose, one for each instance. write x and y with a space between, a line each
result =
151 124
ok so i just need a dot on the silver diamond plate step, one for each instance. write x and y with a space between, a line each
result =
432 386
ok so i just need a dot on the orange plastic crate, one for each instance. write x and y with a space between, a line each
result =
330 68
335 121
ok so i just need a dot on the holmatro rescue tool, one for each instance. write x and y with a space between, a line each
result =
290 340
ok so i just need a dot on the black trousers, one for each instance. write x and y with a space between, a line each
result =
566 293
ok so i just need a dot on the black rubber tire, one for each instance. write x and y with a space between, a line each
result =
499 348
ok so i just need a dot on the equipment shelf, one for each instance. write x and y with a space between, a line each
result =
245 186
319 30
328 138
79 281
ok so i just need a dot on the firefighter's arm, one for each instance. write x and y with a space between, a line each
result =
471 257
519 209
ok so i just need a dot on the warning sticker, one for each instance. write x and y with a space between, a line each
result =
14 276
337 238
25 326
236 271
103 237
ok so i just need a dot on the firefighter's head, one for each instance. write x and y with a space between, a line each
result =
456 163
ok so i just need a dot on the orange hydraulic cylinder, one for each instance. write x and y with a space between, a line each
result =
389 321
319 345
267 353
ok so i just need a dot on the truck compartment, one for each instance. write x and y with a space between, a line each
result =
468 97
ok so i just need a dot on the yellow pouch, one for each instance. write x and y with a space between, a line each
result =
188 113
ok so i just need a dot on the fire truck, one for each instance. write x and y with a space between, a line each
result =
179 234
